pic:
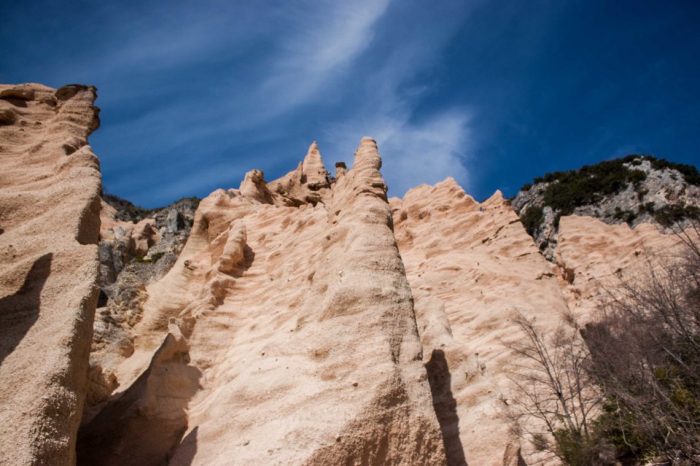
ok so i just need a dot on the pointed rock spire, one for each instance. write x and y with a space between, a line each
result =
340 169
495 200
367 165
313 168
253 186
308 183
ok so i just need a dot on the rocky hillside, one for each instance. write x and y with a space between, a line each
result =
137 246
635 189
304 320
132 235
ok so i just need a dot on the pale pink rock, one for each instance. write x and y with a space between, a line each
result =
49 221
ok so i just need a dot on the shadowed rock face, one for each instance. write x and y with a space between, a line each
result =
20 310
445 405
49 219
146 422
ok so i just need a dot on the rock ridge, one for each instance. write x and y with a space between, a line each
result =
49 225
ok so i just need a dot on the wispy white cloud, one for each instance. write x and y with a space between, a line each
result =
172 185
416 146
428 151
413 153
324 41
226 85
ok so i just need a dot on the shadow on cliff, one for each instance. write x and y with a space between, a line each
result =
144 424
184 455
248 259
445 406
19 311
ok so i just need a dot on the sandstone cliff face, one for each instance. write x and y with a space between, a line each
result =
596 257
49 225
308 320
284 334
472 267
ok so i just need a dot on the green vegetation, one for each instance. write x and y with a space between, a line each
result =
568 190
126 211
129 212
689 172
626 216
609 174
155 257
672 214
565 191
532 219
150 259
626 388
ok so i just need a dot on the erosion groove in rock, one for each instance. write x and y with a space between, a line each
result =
49 225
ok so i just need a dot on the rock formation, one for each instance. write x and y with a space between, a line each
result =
637 189
49 225
471 267
301 342
305 320
594 257
137 246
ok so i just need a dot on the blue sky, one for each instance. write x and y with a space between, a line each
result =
493 93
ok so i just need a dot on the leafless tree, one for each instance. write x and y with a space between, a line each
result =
554 400
627 387
646 357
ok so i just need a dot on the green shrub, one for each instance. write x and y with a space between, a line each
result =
577 450
126 211
588 185
156 256
532 219
689 172
672 214
636 177
626 216
647 207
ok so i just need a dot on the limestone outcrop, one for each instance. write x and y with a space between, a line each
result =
636 190
49 224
